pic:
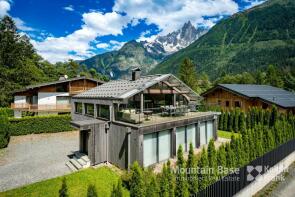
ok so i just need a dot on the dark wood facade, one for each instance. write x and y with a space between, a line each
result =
228 100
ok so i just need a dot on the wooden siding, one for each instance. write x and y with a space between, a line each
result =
118 145
219 97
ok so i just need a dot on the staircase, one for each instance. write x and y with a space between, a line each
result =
78 161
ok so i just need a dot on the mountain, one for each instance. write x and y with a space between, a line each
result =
175 41
143 54
246 41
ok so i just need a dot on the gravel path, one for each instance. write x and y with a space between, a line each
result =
36 157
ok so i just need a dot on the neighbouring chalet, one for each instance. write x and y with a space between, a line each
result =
52 97
244 96
143 119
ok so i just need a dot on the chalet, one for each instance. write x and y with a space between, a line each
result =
52 97
244 96
143 119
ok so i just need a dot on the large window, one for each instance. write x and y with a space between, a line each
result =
180 138
156 147
164 145
78 108
89 109
209 131
103 111
191 135
202 133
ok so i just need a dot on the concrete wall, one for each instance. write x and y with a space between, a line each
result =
49 98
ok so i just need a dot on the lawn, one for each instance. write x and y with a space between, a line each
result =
103 178
226 134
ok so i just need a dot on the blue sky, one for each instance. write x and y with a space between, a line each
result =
78 29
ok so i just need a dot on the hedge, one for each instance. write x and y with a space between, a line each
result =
4 130
40 124
6 111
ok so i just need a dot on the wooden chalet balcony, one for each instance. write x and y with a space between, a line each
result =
76 90
41 108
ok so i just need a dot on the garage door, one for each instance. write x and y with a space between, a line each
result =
202 133
164 145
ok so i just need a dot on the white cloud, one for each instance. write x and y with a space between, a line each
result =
4 8
102 45
21 25
77 45
253 3
116 45
170 15
69 8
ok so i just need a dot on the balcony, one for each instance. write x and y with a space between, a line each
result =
157 115
78 89
41 108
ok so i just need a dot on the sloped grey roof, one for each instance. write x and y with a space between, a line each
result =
122 89
268 93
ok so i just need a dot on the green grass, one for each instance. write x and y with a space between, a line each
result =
103 179
226 134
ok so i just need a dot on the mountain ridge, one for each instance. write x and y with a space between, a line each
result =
143 54
247 41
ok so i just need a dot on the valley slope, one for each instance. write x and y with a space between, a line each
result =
246 41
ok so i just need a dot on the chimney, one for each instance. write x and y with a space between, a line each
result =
135 74
62 78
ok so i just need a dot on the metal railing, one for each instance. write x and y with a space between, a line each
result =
235 182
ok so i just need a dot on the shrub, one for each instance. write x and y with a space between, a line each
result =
91 191
63 192
6 111
40 124
4 130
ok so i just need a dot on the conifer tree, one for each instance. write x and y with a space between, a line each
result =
248 120
164 182
230 156
225 121
181 189
187 74
203 166
274 115
63 192
242 123
245 147
231 121
212 159
236 121
137 188
221 160
220 121
192 176
171 180
91 191
117 190
153 188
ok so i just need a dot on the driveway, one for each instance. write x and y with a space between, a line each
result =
32 158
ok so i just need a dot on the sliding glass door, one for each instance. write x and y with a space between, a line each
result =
150 149
164 145
191 135
202 133
209 131
180 138
156 147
